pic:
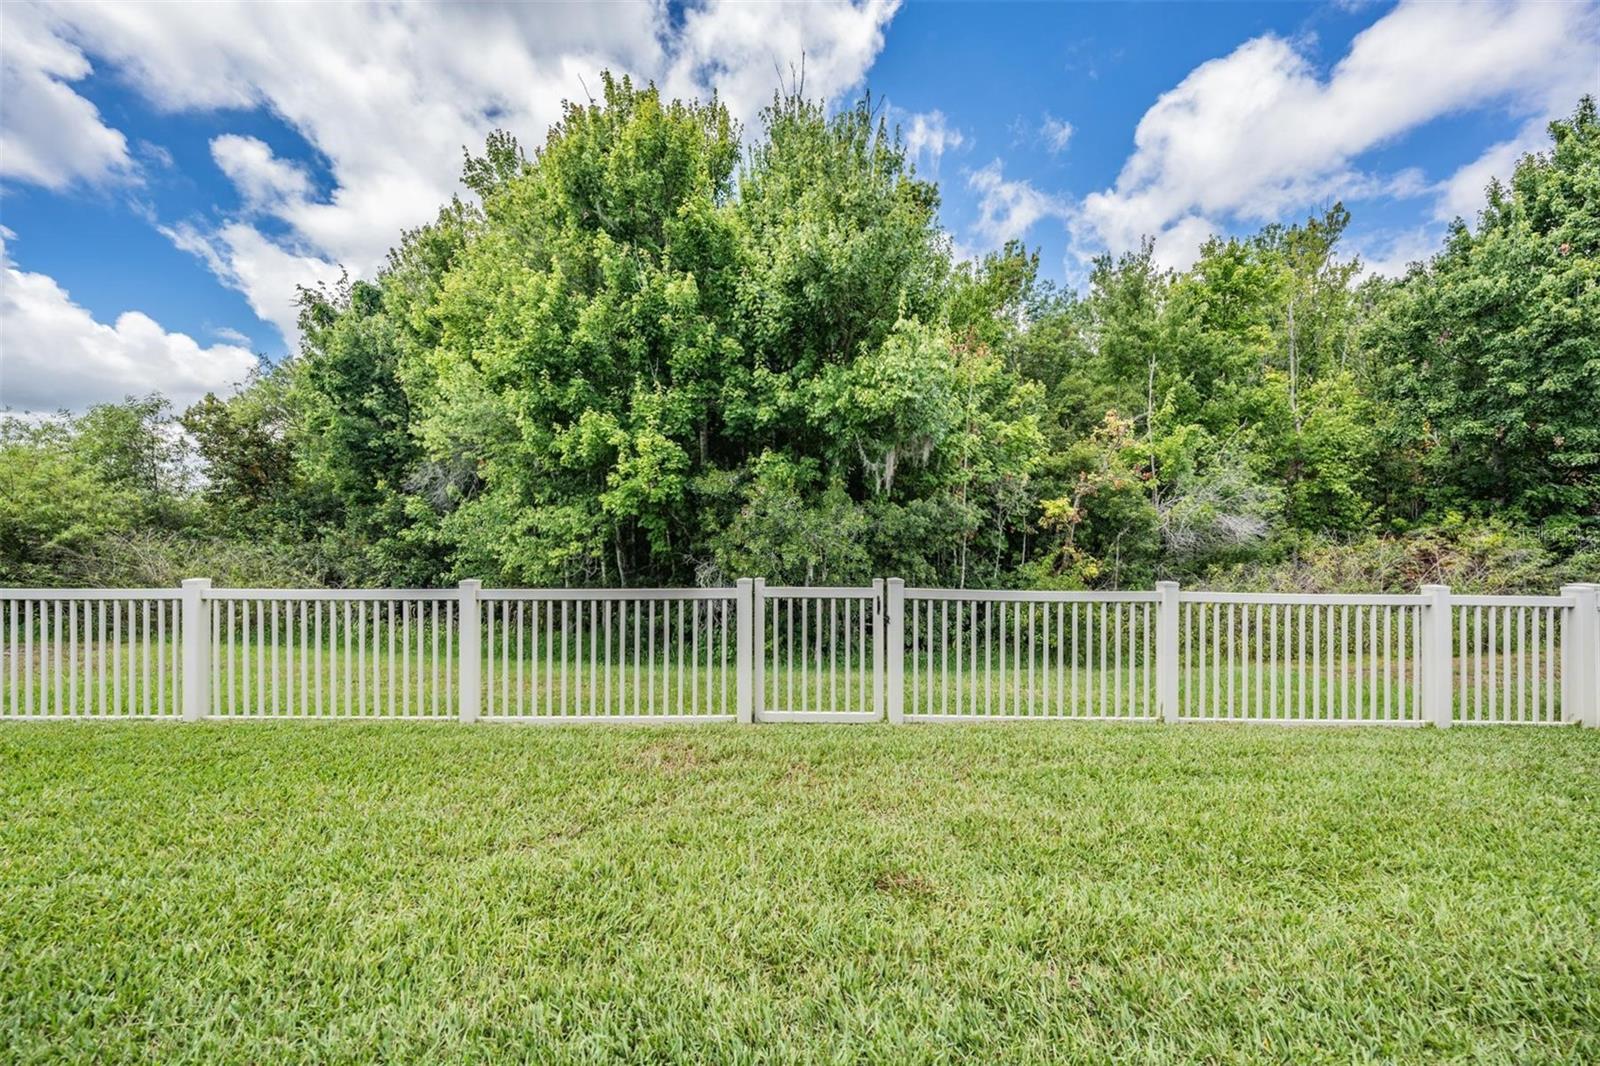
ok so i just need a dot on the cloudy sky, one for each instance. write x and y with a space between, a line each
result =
170 173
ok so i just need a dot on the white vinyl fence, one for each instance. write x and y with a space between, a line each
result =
1344 658
818 653
278 653
611 655
755 652
979 655
91 653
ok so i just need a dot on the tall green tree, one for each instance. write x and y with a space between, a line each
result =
581 343
1495 344
654 351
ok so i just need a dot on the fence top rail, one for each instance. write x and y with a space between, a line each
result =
330 594
723 593
1513 601
91 594
791 592
1314 599
820 592
1032 596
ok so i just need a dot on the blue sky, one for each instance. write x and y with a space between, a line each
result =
169 174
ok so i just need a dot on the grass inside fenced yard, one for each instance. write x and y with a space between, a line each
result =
262 680
350 892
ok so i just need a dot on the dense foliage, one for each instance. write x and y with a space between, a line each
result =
643 354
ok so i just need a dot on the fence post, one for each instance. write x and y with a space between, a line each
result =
1593 655
196 649
758 647
1167 650
1438 695
1580 702
744 634
469 625
895 649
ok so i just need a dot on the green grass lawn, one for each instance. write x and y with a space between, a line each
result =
406 892
329 680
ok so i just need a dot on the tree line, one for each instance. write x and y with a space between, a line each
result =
653 352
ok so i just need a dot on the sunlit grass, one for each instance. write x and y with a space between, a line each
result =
335 680
354 892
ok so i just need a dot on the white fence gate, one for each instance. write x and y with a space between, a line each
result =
819 653
755 652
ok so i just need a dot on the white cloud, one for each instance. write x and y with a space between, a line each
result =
928 135
1055 133
49 135
1178 246
267 274
745 51
1007 209
263 180
270 275
1461 195
389 94
53 354
1390 254
1259 133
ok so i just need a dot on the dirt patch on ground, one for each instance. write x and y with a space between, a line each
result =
668 758
902 883
800 773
